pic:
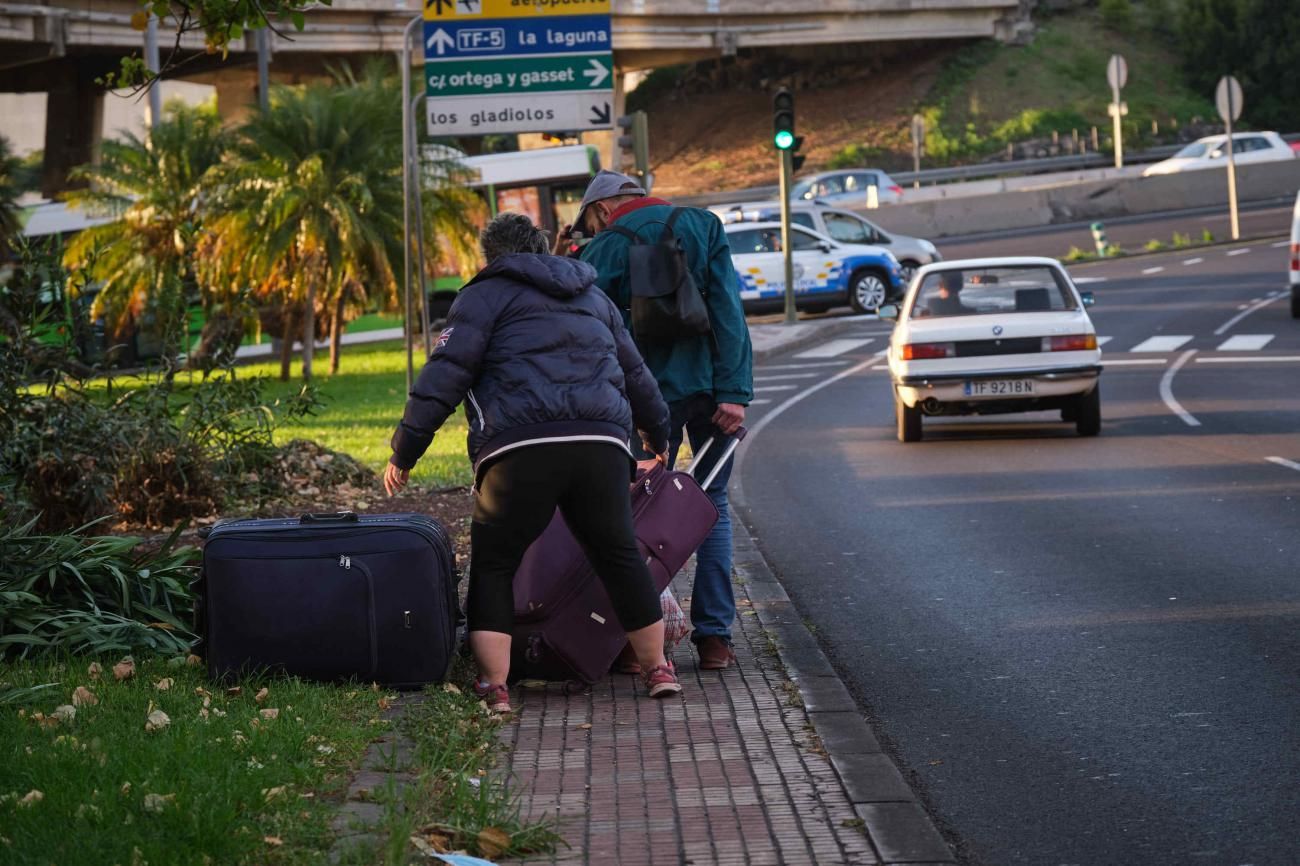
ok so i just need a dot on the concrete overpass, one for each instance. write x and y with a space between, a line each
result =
62 46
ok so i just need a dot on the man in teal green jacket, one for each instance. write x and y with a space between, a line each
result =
706 380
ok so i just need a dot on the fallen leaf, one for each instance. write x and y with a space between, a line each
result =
157 802
273 841
493 841
164 684
124 670
234 691
385 703
193 661
451 687
94 670
271 793
269 713
422 846
261 696
202 692
84 697
157 721
65 713
125 789
33 796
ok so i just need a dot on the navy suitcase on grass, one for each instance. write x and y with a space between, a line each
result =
329 597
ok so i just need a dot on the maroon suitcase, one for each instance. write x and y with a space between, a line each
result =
565 627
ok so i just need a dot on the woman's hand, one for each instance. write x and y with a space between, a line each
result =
395 479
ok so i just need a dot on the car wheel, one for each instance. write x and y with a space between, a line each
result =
1295 302
908 269
1087 413
867 290
909 421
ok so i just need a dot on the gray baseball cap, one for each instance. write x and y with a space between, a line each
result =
607 184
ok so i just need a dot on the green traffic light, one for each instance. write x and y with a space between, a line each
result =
784 139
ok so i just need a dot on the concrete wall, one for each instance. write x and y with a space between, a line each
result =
1078 202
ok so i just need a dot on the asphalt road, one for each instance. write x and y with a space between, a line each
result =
1082 651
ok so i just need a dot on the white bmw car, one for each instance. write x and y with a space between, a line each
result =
993 336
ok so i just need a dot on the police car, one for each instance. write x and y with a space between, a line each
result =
826 273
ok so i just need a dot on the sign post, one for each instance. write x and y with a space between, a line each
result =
1228 99
1117 76
918 142
501 66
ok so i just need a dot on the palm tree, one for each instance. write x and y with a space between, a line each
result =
311 203
10 166
155 186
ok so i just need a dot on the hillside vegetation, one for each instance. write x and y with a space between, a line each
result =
710 124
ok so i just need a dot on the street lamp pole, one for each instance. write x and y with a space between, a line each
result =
404 60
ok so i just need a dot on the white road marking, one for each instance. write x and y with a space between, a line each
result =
1157 269
1193 261
1101 341
779 376
1240 252
1246 312
760 402
1251 359
1282 461
881 367
762 390
1167 390
805 366
1171 343
1132 362
1245 343
1083 281
833 348
1277 244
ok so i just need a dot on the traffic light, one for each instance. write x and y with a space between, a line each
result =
634 147
783 120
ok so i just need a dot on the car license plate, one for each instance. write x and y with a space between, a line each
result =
999 387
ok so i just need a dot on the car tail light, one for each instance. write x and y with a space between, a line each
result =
1295 257
896 189
922 351
1070 343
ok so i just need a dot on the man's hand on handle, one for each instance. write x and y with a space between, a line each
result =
563 238
395 479
729 417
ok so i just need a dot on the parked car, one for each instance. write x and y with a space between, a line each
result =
1210 152
1295 259
993 336
826 273
840 225
848 187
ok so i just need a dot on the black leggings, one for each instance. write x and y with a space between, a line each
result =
517 496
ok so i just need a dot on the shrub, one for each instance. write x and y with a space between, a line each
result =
1116 15
1154 246
1181 240
856 156
1207 236
75 593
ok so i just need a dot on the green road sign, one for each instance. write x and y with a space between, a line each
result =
520 75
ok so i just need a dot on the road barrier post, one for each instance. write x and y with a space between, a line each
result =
1099 239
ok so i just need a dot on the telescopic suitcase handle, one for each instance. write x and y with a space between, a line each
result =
331 517
736 439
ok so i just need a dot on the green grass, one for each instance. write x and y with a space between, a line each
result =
202 789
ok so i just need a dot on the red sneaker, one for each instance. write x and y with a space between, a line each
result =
496 695
661 681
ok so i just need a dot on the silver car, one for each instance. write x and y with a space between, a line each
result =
841 225
850 187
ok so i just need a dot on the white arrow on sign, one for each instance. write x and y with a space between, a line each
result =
597 73
440 41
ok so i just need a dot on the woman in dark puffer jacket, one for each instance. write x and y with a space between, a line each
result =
552 386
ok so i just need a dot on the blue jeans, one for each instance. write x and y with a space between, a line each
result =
713 603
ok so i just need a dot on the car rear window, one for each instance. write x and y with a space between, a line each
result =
984 291
754 241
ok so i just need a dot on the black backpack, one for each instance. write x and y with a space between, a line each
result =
664 301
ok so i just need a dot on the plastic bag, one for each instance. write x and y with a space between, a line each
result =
676 625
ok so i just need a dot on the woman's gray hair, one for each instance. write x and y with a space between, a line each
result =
512 233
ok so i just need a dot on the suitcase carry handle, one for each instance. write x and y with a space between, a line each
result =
736 439
330 517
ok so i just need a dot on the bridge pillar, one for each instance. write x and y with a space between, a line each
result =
236 94
74 120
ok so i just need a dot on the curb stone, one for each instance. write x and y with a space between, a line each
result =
893 818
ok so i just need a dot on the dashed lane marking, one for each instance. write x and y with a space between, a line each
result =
1170 343
806 366
833 348
1082 281
766 378
1252 359
1246 312
1132 362
1240 252
1277 244
1157 269
759 402
1282 461
1245 343
1193 261
764 389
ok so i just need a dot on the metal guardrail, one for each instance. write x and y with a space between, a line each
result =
981 171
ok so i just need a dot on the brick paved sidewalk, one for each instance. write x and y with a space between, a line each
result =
733 772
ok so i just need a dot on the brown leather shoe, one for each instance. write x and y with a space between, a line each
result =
715 653
626 662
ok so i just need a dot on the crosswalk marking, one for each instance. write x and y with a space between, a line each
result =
759 402
1101 341
780 376
1162 344
766 388
1246 343
807 365
833 348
